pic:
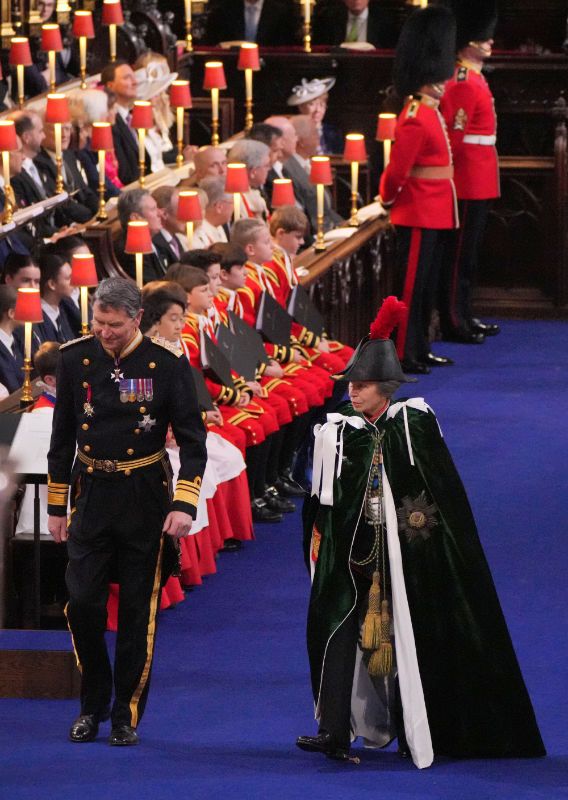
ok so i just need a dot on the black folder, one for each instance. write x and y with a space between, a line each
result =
272 321
302 309
215 362
204 400
251 339
243 361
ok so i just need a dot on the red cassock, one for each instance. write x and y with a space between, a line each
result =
417 182
468 108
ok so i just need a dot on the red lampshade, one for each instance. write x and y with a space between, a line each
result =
28 306
236 180
83 270
83 24
101 136
248 56
142 116
112 12
386 124
320 170
189 207
180 94
214 76
138 239
355 148
51 37
8 140
57 108
282 193
20 52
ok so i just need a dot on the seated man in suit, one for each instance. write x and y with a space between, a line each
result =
273 23
256 156
288 143
139 204
11 355
119 78
170 241
341 21
217 214
83 202
269 135
297 167
20 241
208 162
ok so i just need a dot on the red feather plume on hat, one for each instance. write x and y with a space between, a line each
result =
391 314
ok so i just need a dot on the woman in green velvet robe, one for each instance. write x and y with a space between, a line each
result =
460 689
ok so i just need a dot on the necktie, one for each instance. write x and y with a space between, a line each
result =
32 171
353 32
60 337
13 349
175 246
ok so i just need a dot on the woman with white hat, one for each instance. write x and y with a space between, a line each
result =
311 98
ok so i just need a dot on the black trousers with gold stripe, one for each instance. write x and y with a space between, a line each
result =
115 534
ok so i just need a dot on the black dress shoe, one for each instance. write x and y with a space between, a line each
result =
262 513
86 727
486 328
414 367
123 736
288 487
462 336
231 545
438 361
324 743
278 503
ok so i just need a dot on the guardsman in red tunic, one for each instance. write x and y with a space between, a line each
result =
469 110
417 184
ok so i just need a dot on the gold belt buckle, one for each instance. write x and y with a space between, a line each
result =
106 465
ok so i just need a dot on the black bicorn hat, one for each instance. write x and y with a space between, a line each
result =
476 20
426 50
375 358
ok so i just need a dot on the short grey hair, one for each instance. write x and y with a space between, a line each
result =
214 188
249 152
130 203
388 388
246 231
119 293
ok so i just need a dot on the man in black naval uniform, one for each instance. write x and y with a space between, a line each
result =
117 392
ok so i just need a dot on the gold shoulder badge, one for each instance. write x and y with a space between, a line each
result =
462 74
159 340
75 341
460 120
413 109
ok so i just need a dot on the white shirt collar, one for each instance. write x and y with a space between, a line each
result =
303 162
7 339
52 313
123 111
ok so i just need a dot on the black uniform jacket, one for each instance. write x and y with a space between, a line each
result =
90 416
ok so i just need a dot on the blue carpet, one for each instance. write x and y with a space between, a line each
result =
230 686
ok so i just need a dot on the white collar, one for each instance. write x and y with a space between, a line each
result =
303 162
7 339
52 313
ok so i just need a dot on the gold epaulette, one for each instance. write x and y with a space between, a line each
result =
413 109
161 342
74 341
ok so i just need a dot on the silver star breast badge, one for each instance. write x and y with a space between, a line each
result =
146 423
116 375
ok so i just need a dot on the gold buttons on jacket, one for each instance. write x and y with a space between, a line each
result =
86 362
85 426
142 409
127 472
85 385
87 448
90 470
130 451
137 430
152 365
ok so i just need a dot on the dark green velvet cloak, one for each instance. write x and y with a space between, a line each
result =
476 699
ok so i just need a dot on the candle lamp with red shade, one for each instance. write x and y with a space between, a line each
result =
139 243
28 310
84 275
112 16
236 183
142 121
282 193
51 43
249 61
83 29
213 81
8 143
355 154
320 175
57 113
180 99
190 212
101 143
20 57
386 124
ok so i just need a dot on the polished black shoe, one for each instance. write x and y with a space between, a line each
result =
276 502
438 361
414 367
486 328
123 736
262 513
86 727
231 545
324 743
462 336
288 487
